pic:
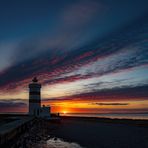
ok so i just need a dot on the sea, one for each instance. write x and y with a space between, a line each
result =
141 116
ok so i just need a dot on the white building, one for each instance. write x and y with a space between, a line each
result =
35 108
45 110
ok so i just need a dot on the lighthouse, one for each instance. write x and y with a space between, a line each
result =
34 98
35 108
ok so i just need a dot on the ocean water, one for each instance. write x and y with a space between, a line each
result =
108 115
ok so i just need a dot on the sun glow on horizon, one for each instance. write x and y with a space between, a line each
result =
64 112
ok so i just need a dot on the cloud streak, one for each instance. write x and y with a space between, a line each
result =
77 51
116 94
110 104
59 63
10 105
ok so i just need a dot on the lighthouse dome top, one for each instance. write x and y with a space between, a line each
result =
35 80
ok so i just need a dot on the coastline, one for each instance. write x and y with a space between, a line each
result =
86 132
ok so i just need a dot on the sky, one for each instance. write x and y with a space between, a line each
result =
91 56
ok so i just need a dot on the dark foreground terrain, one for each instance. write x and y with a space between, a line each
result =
77 132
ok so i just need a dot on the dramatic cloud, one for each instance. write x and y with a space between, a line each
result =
133 93
85 50
13 105
4 104
112 104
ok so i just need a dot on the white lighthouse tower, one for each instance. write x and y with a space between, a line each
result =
34 98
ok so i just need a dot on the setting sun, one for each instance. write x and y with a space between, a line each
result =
64 112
